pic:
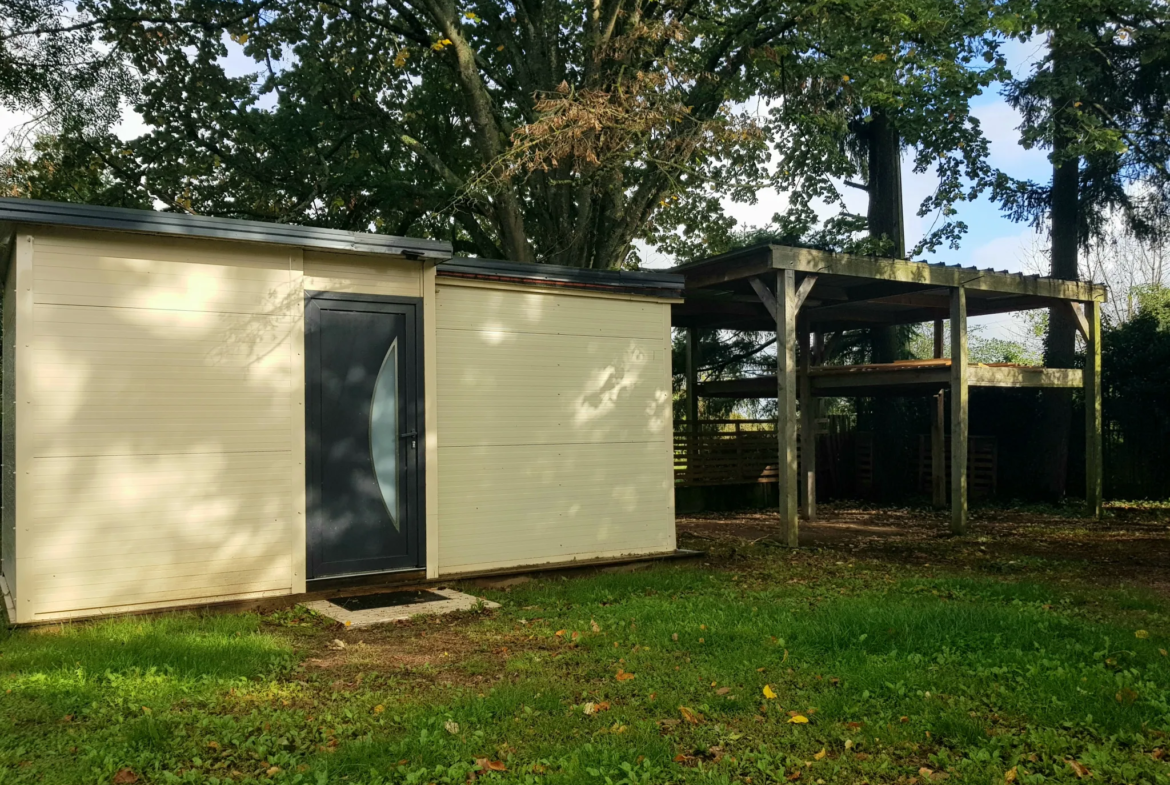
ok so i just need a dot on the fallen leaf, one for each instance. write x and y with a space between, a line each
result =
794 776
903 719
379 709
1162 652
1158 754
798 719
451 726
1078 768
853 725
125 777
576 635
213 745
1143 634
925 772
861 755
690 716
768 693
722 690
674 636
337 644
623 676
821 755
560 633
488 765
848 744
272 772
1010 775
596 627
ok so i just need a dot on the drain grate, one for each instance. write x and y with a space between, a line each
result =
393 599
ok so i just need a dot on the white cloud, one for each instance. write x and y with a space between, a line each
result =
1017 253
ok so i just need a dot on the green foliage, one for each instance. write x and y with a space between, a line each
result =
561 132
1099 96
980 347
1136 399
919 64
51 68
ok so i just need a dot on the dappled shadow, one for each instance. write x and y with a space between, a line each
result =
554 428
164 414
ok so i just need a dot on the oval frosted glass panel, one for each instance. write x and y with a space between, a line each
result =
384 432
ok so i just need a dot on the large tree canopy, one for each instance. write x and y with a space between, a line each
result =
557 130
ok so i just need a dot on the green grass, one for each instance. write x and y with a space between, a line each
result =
895 669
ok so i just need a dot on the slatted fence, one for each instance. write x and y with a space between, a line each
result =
726 452
982 465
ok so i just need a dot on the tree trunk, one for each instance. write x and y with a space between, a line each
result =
885 221
885 216
1060 342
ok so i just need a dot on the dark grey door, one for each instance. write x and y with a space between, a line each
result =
363 419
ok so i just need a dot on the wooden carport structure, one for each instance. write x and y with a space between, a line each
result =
803 294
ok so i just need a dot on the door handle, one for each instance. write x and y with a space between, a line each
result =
413 436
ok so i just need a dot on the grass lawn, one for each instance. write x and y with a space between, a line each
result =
754 665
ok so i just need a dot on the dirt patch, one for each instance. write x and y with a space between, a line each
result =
439 650
1126 547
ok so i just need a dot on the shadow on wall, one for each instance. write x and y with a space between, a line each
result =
163 383
554 423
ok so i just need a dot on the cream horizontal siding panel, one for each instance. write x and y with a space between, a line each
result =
361 274
164 412
554 427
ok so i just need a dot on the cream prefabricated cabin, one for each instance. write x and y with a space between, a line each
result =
201 410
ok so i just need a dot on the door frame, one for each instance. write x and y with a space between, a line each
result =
415 491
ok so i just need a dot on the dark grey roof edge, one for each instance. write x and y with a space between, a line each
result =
648 282
32 211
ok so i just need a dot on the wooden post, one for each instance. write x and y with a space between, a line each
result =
1092 378
808 431
692 399
786 403
958 410
938 442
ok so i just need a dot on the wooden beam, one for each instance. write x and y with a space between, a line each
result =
803 290
959 410
1094 455
1036 378
726 268
938 442
810 260
765 295
1079 318
786 403
808 433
